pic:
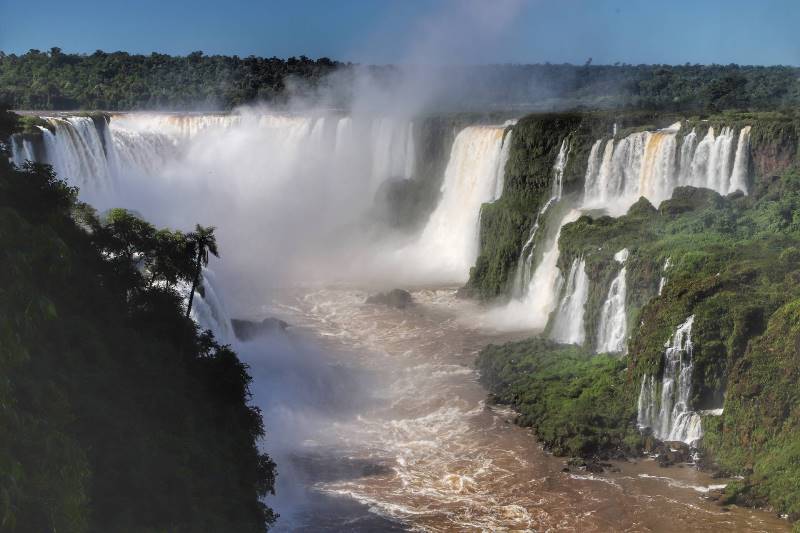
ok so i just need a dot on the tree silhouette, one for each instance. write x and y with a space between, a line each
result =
203 242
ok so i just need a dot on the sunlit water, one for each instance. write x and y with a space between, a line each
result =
407 441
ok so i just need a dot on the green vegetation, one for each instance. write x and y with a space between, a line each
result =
536 139
505 224
736 268
575 401
118 80
116 413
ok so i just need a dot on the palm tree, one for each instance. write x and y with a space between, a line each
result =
203 242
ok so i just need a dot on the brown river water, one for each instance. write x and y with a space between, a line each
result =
418 449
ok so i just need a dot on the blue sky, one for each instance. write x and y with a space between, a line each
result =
419 31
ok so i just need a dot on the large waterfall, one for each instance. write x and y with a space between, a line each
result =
672 419
449 244
651 164
253 171
568 325
93 157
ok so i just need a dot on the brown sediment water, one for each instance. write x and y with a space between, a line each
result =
439 459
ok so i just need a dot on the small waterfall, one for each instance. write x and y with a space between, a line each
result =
674 421
449 243
21 150
568 325
522 276
741 162
613 326
558 169
663 281
540 295
209 310
501 166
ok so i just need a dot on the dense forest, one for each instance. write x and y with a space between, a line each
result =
116 413
122 81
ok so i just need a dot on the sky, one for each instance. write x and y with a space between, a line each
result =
419 31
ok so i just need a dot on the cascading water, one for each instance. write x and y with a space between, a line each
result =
524 271
141 144
663 281
613 327
525 262
449 242
77 152
21 150
568 325
672 419
650 164
209 310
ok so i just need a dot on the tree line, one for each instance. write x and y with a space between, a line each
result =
123 81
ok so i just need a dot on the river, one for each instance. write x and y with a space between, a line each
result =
395 434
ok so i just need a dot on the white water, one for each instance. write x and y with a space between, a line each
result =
672 419
21 151
568 326
612 329
76 152
449 244
651 164
145 144
524 270
663 281
533 309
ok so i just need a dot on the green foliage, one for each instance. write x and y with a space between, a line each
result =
116 414
113 81
575 401
118 80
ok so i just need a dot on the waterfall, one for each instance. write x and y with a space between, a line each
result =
568 325
449 242
76 152
522 276
21 150
651 164
539 297
613 326
673 420
209 310
524 270
142 144
663 281
558 170
741 162
501 166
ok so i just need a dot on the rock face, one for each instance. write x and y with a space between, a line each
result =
396 298
246 330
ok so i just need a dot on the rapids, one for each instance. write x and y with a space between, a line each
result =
419 447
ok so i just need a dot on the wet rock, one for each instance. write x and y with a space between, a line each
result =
594 468
397 298
670 454
246 330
